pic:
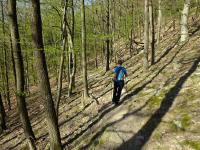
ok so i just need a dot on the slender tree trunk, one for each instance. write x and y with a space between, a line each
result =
84 58
159 22
7 90
72 58
132 30
43 78
197 8
20 93
184 21
96 54
146 34
13 62
2 116
62 58
95 33
26 56
108 40
27 75
152 32
174 5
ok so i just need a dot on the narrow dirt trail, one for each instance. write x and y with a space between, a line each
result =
147 112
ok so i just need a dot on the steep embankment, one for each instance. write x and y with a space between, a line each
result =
158 111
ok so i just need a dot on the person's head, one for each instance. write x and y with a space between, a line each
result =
120 62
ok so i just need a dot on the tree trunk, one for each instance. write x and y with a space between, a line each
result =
84 58
13 62
62 58
43 79
146 34
2 116
159 22
184 21
197 8
20 93
72 58
7 90
108 40
151 32
174 6
95 33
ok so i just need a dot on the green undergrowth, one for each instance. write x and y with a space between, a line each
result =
182 123
193 144
156 100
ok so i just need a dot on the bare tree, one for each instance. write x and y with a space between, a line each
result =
62 58
72 58
2 116
184 21
43 78
159 22
146 34
108 40
19 66
84 58
7 90
152 32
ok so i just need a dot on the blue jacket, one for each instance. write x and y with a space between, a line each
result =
120 72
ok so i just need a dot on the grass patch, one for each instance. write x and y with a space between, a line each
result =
36 132
182 123
100 141
185 121
156 100
158 136
193 144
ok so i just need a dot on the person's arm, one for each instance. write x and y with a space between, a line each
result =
125 74
115 74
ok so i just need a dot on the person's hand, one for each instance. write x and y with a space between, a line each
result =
127 80
113 79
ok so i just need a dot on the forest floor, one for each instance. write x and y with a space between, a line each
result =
158 110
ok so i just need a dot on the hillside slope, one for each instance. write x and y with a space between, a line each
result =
159 110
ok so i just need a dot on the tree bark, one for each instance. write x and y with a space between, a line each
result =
13 62
2 116
146 34
7 90
197 8
108 40
184 21
152 32
43 78
84 58
159 22
62 58
72 58
20 93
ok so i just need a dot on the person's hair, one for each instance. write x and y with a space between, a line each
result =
120 62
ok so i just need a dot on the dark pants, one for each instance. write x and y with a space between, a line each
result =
118 86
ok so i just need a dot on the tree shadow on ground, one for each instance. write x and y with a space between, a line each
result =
137 90
106 109
167 50
143 135
194 31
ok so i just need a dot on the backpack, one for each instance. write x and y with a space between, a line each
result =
120 74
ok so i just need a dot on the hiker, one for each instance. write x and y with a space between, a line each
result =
120 74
